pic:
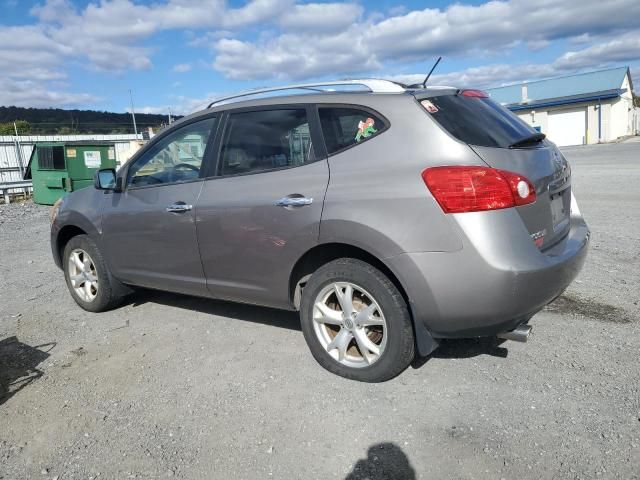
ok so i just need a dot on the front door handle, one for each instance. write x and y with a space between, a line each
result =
179 207
294 201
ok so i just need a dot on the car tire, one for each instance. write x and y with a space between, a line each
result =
379 321
87 276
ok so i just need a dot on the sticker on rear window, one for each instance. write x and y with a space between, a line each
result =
365 129
430 107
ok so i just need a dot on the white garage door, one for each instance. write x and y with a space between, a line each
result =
567 127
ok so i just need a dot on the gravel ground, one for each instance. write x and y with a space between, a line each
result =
171 386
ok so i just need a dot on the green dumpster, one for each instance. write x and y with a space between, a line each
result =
60 167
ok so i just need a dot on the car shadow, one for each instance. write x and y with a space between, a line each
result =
385 461
18 365
465 348
237 311
449 348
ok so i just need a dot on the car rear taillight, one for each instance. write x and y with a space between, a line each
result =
473 93
459 189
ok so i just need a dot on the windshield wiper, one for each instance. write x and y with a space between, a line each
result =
529 140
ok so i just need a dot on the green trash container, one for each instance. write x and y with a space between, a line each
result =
60 167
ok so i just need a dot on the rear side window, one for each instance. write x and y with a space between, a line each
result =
477 121
51 158
344 127
266 140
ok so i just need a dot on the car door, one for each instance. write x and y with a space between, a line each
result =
149 227
261 211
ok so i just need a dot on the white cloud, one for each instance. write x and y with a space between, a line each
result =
289 39
601 55
624 48
31 65
397 11
53 11
110 34
151 110
27 93
459 30
294 56
480 77
181 68
180 105
320 17
307 39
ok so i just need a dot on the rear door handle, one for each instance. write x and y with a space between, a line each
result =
179 207
294 202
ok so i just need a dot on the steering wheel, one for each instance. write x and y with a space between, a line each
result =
187 166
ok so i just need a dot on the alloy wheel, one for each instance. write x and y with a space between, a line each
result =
349 324
83 275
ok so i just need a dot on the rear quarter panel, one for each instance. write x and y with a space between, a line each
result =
377 199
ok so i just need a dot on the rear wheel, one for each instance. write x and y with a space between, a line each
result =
87 277
356 322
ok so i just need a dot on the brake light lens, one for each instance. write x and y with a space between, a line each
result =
523 190
473 93
459 189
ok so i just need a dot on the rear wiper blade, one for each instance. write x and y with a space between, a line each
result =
528 140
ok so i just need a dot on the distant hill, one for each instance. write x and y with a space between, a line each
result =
58 121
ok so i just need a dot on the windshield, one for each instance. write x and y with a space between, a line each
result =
477 121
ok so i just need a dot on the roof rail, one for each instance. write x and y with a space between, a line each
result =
373 84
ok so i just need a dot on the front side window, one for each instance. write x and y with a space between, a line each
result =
266 140
175 158
344 127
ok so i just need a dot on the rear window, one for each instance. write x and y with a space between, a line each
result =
344 127
477 121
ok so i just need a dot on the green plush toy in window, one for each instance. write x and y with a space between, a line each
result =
365 129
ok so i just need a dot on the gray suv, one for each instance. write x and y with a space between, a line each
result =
390 217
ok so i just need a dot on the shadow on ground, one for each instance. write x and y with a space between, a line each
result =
465 348
238 311
385 461
18 365
458 348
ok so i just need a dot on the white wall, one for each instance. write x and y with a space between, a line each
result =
616 118
621 117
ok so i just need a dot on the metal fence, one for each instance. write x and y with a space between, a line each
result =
15 152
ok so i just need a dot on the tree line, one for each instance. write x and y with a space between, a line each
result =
48 121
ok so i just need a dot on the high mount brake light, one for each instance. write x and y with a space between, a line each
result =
473 93
460 189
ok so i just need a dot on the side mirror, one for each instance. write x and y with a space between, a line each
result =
105 179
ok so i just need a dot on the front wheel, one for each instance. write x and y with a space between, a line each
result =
356 322
87 277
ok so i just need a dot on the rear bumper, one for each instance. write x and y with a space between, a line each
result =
496 282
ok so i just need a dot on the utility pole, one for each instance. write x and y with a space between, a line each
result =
170 119
133 115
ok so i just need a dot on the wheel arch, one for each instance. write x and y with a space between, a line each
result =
327 252
65 234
